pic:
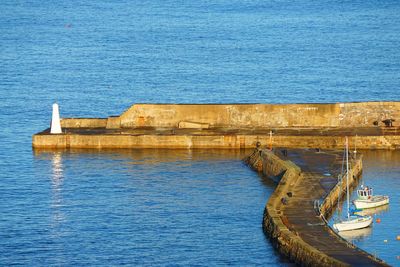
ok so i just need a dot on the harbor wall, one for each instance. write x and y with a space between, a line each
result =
221 140
287 242
262 115
83 123
232 126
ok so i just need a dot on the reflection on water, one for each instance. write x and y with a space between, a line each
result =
356 235
145 156
373 211
57 168
381 161
56 187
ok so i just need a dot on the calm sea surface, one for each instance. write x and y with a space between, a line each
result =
152 207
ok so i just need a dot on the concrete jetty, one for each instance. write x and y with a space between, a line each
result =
307 191
369 125
294 216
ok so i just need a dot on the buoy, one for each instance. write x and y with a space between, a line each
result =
398 237
385 240
378 220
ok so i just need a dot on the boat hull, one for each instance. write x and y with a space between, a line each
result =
373 202
353 223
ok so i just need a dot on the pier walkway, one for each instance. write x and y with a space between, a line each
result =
300 210
296 216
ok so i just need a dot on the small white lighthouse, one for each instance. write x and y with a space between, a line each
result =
55 121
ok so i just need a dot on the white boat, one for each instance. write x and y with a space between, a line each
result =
356 221
353 222
367 200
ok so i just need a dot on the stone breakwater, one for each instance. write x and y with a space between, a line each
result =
233 126
364 114
294 216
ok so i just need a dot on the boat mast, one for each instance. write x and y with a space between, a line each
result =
340 182
347 177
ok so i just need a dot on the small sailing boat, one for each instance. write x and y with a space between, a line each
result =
355 221
367 200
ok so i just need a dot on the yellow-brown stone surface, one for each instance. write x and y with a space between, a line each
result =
262 115
233 126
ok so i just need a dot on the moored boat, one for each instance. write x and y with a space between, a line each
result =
355 221
367 200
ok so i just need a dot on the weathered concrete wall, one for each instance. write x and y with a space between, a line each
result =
247 115
234 126
113 122
83 123
250 115
133 141
285 240
207 141
365 113
262 115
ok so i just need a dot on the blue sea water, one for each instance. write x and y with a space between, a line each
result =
96 58
136 208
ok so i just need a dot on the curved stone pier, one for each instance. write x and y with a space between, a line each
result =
306 193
